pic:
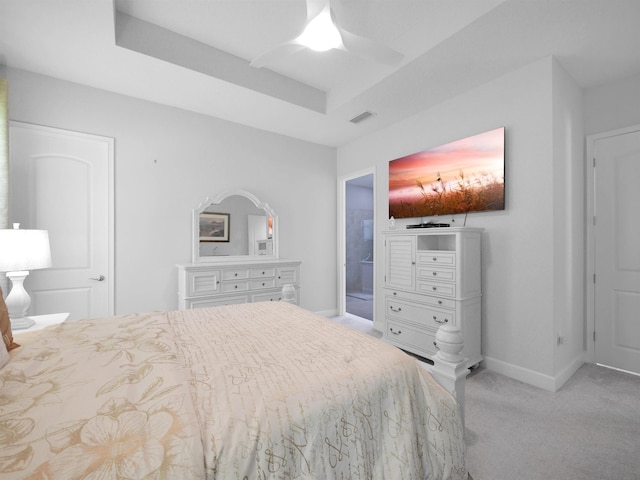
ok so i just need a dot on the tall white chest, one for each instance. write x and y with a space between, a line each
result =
433 277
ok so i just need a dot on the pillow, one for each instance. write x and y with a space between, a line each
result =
4 355
5 325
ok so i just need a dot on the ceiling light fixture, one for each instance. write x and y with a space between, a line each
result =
321 33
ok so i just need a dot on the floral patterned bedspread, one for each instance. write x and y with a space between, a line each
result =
255 391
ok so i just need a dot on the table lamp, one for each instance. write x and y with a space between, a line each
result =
21 251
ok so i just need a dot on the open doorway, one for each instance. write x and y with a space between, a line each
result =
359 237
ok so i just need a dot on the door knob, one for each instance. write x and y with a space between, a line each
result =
98 279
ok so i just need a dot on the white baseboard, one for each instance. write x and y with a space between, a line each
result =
531 377
327 313
568 372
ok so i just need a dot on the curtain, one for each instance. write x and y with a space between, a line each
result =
4 165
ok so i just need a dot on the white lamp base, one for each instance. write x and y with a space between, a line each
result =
18 301
22 323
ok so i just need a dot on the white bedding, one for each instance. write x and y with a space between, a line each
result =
256 391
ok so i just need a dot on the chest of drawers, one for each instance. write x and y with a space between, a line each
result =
208 285
432 278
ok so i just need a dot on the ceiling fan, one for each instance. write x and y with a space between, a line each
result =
322 31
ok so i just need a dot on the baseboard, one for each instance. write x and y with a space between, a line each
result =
327 313
568 372
522 374
531 377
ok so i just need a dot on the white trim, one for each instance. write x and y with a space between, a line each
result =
590 355
327 313
531 377
525 375
341 265
110 142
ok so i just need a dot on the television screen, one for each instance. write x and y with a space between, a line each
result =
462 176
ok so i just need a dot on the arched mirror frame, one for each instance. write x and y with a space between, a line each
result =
207 203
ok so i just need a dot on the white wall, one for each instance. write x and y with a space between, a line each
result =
519 244
167 161
568 226
612 106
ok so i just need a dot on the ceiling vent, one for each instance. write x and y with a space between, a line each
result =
361 117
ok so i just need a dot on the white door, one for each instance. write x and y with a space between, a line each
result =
61 181
617 251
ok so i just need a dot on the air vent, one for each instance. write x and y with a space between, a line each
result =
363 116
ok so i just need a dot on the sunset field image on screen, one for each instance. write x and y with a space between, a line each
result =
462 176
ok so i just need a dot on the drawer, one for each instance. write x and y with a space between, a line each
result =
267 297
416 297
216 302
264 283
411 338
235 274
263 272
230 287
202 283
436 257
428 272
436 288
419 314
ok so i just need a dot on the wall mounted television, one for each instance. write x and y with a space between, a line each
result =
459 177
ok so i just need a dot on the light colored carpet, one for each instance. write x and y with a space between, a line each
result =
588 430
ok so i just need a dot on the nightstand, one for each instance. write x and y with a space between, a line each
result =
43 321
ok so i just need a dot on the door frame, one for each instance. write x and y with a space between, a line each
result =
342 244
590 354
110 142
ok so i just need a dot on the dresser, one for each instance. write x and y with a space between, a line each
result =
433 277
209 285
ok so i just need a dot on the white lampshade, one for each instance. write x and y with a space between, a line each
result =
24 250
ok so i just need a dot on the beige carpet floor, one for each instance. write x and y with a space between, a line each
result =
588 430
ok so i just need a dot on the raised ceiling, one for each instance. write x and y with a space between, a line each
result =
195 54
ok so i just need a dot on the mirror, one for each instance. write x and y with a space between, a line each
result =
234 226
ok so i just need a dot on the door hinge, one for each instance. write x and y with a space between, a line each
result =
594 335
594 162
594 278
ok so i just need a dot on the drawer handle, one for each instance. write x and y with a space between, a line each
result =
394 309
263 284
434 288
395 333
395 293
435 344
235 286
435 273
439 302
435 259
440 321
235 274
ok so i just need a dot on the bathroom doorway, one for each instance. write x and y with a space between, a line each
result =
359 233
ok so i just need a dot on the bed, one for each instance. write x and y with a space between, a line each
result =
256 391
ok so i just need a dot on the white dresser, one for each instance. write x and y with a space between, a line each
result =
208 285
433 277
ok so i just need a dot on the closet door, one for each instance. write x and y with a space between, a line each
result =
61 181
617 256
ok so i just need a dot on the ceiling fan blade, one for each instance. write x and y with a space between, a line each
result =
314 7
292 46
369 49
277 53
